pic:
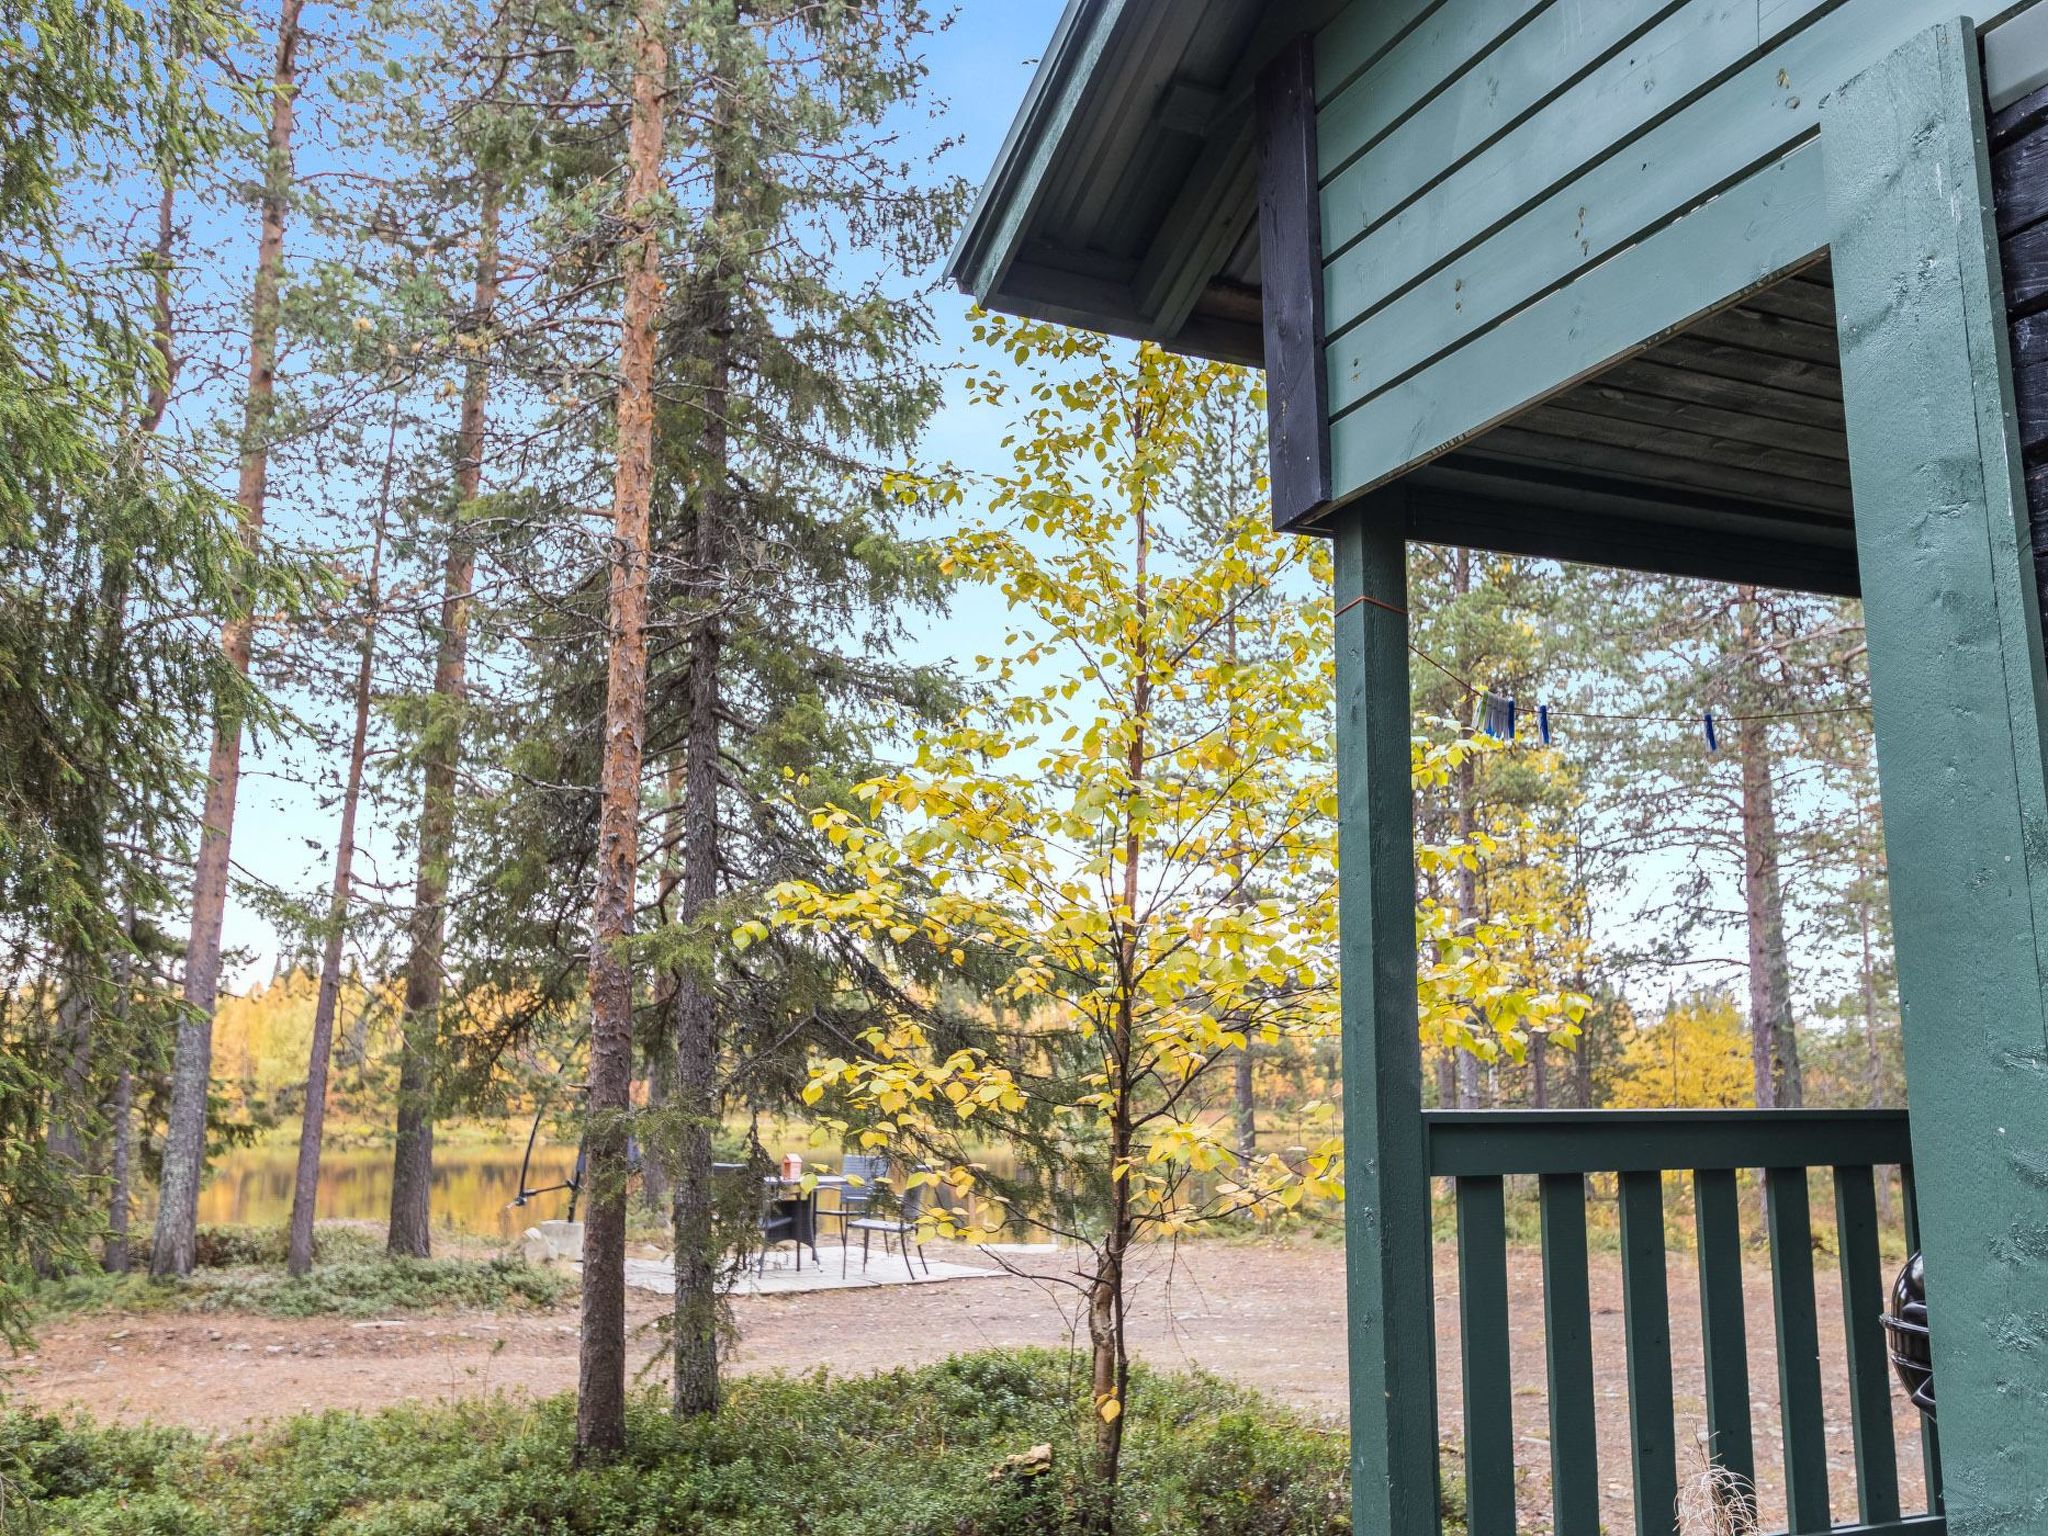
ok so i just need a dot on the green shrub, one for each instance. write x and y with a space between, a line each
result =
241 1269
231 1247
905 1452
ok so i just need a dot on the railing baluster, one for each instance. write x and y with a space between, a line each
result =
1870 1400
1806 1449
1646 1320
1930 1439
1489 1394
1723 1331
1568 1340
1640 1149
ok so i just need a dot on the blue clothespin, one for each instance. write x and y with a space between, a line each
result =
1543 723
1511 719
1713 741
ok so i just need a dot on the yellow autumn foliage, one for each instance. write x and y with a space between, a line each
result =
1134 820
1696 1056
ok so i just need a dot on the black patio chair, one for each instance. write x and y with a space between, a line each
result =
902 1226
855 1199
779 1217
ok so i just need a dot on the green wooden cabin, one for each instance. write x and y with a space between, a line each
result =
1754 290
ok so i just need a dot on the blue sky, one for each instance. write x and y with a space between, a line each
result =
980 67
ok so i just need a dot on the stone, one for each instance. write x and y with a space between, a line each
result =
552 1240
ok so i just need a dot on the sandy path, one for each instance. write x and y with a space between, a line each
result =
1269 1315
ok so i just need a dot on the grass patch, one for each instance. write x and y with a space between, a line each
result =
908 1452
241 1269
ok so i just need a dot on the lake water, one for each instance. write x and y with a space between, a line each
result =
474 1187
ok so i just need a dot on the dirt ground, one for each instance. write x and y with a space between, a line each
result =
1267 1314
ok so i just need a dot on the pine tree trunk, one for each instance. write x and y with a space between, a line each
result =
412 1161
1539 1071
1873 1054
658 1133
162 318
601 1374
655 1160
306 1178
184 1153
695 1005
1244 1080
1774 1049
1874 1057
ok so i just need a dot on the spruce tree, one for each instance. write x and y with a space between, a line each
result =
792 385
115 556
790 379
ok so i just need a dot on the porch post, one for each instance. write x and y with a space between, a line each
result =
1961 701
1386 1185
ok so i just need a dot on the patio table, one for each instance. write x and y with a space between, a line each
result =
789 1200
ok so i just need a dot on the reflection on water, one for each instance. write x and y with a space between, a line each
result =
474 1187
473 1190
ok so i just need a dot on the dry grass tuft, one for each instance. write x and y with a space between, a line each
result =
1713 1501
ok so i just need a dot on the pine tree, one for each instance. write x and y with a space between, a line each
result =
601 1373
778 568
184 1152
1777 671
789 378
306 1175
441 741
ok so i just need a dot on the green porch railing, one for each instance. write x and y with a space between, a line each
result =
1480 1151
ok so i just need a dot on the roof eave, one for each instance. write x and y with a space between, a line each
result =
988 244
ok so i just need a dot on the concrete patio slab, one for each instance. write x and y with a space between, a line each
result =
781 1277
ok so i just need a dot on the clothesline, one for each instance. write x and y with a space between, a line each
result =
1499 713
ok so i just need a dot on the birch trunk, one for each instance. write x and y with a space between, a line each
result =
1243 1078
1466 785
306 1178
1111 1368
412 1160
601 1375
184 1153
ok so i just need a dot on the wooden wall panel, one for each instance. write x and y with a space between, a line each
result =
2019 188
1562 198
1756 231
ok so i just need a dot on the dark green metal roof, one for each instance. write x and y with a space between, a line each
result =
1123 197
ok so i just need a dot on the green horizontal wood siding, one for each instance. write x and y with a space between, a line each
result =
1517 194
1751 234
